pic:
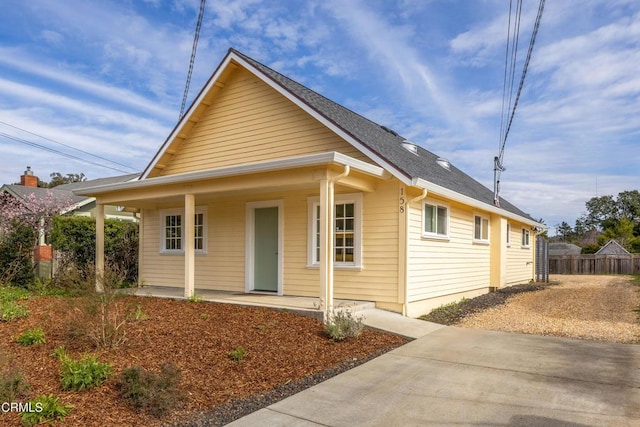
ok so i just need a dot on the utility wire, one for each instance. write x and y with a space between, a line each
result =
66 145
510 75
193 57
60 153
524 70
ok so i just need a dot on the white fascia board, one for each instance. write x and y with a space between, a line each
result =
469 201
337 130
227 171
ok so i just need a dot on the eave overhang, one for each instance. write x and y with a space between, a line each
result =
469 201
328 158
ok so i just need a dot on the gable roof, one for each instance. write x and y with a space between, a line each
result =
612 248
421 169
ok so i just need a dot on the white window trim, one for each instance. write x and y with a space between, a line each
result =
481 240
508 235
312 204
180 211
437 236
528 234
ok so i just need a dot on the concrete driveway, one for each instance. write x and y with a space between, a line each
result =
456 376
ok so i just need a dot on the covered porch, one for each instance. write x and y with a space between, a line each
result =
261 186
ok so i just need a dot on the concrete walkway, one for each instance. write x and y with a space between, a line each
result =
456 376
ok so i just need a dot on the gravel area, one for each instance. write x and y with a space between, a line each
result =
587 307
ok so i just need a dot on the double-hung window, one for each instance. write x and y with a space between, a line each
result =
172 231
526 234
435 220
481 229
347 232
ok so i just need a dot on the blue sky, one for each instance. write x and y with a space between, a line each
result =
107 77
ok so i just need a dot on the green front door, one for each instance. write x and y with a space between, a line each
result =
265 271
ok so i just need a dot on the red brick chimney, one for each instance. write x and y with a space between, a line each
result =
28 179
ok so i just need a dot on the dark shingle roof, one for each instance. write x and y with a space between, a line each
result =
22 192
98 181
384 143
63 193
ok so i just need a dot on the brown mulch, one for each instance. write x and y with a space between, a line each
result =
285 353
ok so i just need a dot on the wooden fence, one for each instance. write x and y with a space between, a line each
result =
594 264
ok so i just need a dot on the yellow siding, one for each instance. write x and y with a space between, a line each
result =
442 267
223 266
519 259
249 121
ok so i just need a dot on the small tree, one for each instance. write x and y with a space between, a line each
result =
22 223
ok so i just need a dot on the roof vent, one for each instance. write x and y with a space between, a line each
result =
410 146
444 163
391 131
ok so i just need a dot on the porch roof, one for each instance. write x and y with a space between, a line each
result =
165 183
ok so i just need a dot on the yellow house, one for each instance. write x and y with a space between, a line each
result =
266 186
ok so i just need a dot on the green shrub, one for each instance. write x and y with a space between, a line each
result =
148 391
342 324
82 374
16 262
31 337
45 409
238 354
11 310
75 237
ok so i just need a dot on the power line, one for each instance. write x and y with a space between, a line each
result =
524 69
66 145
193 57
505 126
60 153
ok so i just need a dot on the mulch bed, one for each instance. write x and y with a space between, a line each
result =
285 354
452 313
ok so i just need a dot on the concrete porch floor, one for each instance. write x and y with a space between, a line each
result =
304 305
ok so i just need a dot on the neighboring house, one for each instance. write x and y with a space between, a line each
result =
612 248
266 186
80 205
560 249
76 205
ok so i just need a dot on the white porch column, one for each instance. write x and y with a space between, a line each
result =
189 247
99 247
326 247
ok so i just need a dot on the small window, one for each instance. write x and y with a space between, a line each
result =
172 231
508 234
435 220
481 228
526 235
